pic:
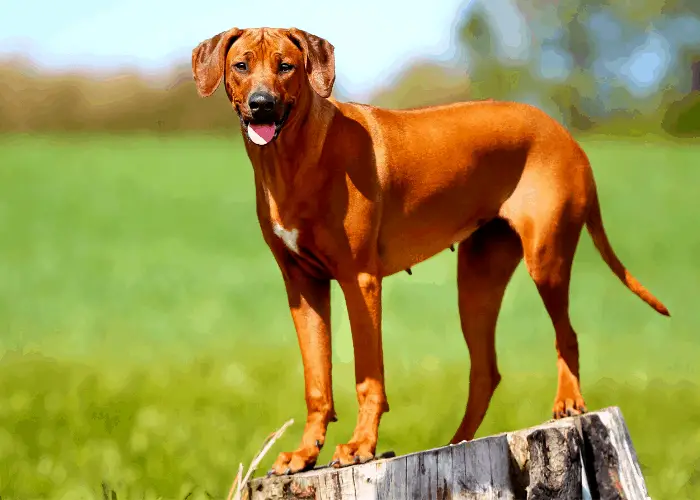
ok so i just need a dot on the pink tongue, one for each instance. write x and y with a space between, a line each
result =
261 134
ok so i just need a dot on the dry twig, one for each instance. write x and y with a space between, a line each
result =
239 484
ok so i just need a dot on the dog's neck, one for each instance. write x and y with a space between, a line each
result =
284 167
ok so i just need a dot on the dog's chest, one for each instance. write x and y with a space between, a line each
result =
289 236
295 224
285 223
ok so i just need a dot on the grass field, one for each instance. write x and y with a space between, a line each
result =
145 339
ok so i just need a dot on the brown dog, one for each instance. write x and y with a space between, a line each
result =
357 193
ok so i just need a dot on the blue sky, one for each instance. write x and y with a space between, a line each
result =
373 38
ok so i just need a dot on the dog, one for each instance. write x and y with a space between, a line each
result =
356 193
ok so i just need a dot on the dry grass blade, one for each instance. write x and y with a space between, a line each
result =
238 486
236 483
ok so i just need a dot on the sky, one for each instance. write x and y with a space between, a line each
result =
373 39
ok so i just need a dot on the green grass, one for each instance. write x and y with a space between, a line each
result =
145 339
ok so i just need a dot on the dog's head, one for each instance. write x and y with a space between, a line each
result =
266 72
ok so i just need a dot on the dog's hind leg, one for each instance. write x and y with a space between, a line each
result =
550 234
486 262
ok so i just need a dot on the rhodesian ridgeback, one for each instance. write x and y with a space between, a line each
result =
355 193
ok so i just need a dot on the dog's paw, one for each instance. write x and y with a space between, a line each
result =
351 454
568 408
300 460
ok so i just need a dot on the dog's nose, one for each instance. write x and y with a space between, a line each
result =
261 103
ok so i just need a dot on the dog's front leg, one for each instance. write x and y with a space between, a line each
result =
309 302
363 299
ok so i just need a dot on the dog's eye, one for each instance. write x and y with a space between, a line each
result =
286 67
241 66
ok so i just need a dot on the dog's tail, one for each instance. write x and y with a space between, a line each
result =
594 224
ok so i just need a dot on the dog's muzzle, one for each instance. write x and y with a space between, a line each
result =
267 117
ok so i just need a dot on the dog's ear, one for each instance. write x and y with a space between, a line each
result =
319 59
209 59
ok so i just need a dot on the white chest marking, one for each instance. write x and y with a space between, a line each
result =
288 237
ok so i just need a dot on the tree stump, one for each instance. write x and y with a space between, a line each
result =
577 458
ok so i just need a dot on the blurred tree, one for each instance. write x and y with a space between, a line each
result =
682 115
490 77
424 84
593 44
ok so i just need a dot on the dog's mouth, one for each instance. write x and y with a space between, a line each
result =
262 132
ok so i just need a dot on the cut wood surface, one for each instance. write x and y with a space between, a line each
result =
586 457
